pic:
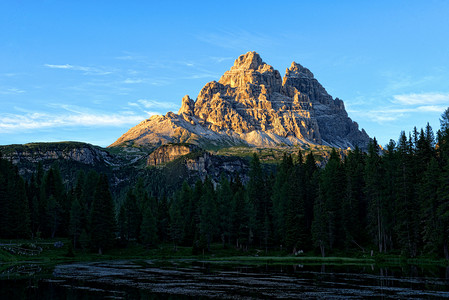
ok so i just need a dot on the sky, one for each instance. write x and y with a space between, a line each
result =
90 70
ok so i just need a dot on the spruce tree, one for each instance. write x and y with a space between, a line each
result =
176 223
258 197
102 217
281 197
19 218
311 175
75 225
209 219
224 208
375 193
354 207
148 232
163 220
433 232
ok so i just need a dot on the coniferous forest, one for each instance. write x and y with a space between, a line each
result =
392 200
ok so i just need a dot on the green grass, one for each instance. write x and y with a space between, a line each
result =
52 256
306 260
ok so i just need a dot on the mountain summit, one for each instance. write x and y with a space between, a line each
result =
253 105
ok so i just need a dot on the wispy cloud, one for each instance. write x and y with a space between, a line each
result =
86 70
397 82
131 56
156 104
220 59
133 80
160 82
10 91
201 75
10 123
393 113
422 99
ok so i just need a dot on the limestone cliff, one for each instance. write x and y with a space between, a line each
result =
253 105
169 152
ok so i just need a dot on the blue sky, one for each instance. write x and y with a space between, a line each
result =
90 70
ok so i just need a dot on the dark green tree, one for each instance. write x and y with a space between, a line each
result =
354 206
375 193
224 210
163 220
281 197
259 197
176 222
209 219
148 232
103 223
76 219
132 216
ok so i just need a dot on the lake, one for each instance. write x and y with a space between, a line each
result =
192 279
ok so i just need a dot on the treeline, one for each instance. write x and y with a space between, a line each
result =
44 207
393 200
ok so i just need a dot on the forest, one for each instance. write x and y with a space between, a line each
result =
392 200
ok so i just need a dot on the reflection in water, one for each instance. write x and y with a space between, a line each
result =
182 279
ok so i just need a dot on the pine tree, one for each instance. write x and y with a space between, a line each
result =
243 217
258 196
407 225
433 232
53 218
163 220
311 175
53 215
188 211
75 227
332 192
295 215
14 219
102 217
320 235
132 216
19 221
443 210
208 213
281 197
375 193
176 223
354 210
224 207
444 121
148 232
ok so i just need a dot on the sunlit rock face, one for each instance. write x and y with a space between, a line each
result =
169 152
253 105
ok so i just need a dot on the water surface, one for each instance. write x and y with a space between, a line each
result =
187 279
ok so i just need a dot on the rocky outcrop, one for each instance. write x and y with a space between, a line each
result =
169 152
213 166
70 151
253 105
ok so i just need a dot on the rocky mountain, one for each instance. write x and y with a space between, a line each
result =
253 105
27 156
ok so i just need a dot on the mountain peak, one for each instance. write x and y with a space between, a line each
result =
251 105
249 61
298 71
250 69
187 106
